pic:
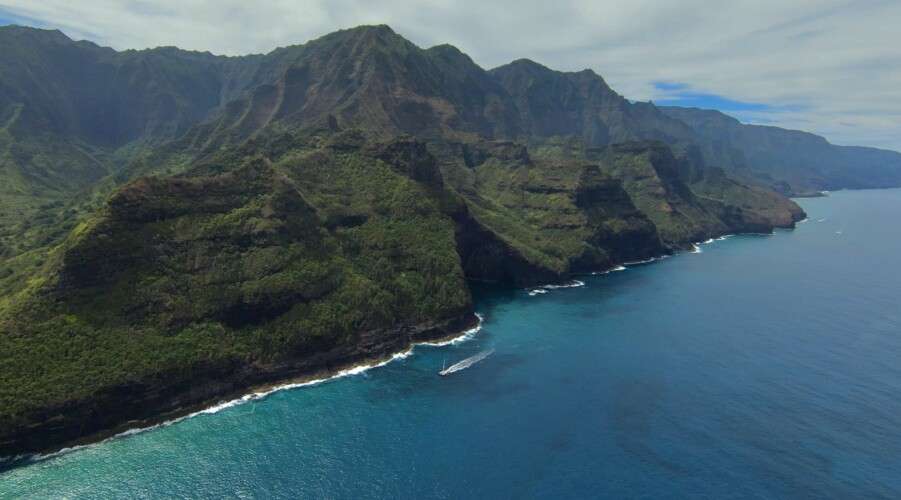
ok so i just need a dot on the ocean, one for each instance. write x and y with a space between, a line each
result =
760 367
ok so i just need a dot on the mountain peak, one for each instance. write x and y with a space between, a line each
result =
54 35
372 28
367 35
445 48
379 31
523 64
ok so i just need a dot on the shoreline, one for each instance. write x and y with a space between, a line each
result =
249 394
470 326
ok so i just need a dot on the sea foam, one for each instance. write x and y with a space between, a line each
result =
255 396
541 290
466 335
641 262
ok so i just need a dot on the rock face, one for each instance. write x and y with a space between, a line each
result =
651 175
557 104
486 257
616 225
284 215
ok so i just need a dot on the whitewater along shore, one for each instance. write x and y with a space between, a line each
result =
146 404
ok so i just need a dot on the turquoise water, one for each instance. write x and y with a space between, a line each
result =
761 367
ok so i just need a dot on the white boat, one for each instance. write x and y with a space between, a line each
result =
466 363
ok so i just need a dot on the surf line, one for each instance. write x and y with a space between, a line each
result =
255 396
696 247
546 288
543 289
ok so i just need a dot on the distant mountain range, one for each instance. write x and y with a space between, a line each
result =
84 102
792 161
177 226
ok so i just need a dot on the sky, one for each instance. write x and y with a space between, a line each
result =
832 67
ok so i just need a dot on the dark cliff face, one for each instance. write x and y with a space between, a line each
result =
486 257
653 177
103 97
370 77
617 226
553 103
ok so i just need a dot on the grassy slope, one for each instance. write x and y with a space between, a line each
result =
247 265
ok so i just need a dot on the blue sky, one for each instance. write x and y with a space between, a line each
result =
832 67
7 17
681 94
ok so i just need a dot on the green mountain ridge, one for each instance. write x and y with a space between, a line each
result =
582 105
284 215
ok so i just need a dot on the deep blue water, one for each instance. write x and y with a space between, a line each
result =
764 367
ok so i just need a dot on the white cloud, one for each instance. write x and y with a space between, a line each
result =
838 61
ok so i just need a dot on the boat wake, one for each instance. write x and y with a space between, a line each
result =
466 363
254 396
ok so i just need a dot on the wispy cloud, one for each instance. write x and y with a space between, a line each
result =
681 94
829 66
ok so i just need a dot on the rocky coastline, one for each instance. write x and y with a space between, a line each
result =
146 404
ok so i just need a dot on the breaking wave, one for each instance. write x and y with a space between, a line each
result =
253 396
459 339
546 288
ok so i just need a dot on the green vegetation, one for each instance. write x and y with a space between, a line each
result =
176 226
252 264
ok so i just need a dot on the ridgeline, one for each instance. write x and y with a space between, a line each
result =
178 227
